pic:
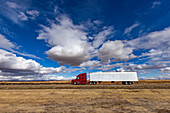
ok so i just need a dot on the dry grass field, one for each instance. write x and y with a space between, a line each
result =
61 98
68 82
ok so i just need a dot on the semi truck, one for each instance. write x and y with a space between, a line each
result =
126 78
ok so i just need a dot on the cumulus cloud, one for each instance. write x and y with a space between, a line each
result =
120 70
158 55
158 77
56 77
10 64
154 40
129 29
72 69
35 78
145 66
93 63
157 46
72 43
69 42
165 70
116 51
107 67
102 36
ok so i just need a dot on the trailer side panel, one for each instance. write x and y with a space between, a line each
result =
113 76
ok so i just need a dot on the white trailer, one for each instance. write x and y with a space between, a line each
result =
124 77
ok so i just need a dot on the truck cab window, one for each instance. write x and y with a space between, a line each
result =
77 78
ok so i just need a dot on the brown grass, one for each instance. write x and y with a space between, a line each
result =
85 100
68 82
34 82
60 96
154 81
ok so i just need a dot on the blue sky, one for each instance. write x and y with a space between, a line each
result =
58 39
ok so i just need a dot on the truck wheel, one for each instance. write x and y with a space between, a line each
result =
74 83
126 83
123 83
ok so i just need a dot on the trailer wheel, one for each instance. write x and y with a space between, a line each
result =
74 83
130 83
123 83
94 83
90 83
126 83
112 82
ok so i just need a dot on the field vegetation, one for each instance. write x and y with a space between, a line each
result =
104 98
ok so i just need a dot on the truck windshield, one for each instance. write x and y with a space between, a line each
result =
77 78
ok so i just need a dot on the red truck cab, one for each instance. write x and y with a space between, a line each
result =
80 79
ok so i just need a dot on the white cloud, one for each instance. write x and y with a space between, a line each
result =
30 14
155 4
69 42
22 16
74 45
145 66
5 43
8 45
101 36
33 13
36 78
158 77
48 70
109 66
158 55
65 55
16 66
63 78
97 22
152 52
165 70
56 10
93 63
72 69
158 45
11 11
116 51
129 29
157 39
15 11
120 70
12 5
